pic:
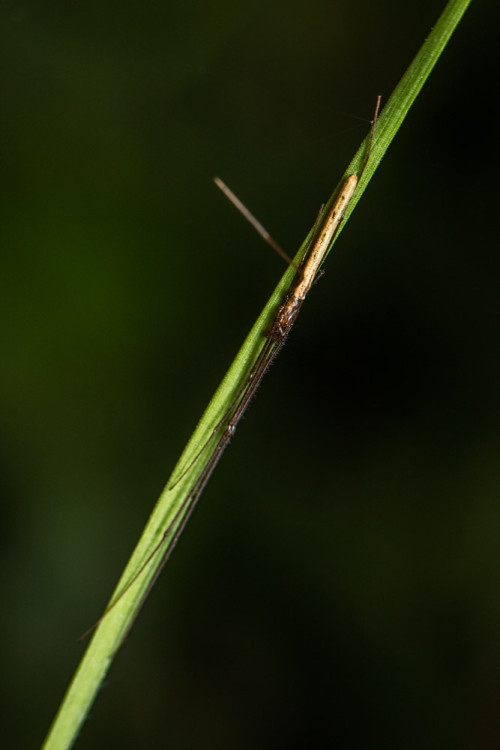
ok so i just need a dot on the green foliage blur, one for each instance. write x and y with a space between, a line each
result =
339 583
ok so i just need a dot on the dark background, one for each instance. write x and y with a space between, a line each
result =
339 583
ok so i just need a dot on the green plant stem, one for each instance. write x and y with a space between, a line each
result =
111 630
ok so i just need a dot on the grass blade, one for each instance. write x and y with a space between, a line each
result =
111 630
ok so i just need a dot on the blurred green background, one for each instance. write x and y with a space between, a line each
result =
339 583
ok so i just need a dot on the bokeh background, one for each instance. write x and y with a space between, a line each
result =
339 583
